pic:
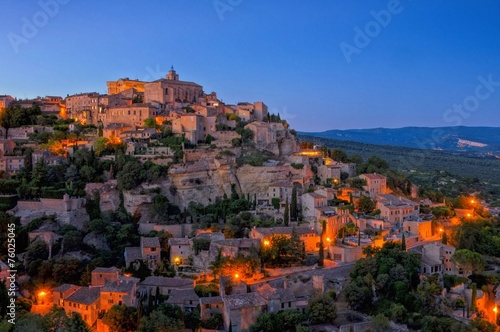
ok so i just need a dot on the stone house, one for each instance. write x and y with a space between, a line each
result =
277 298
234 247
84 301
397 209
209 306
153 285
375 184
187 299
423 228
307 235
100 275
311 201
180 249
436 258
121 291
149 251
242 310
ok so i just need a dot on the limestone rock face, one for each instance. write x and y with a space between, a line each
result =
135 202
97 241
108 192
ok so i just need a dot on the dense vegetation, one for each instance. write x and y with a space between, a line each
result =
425 167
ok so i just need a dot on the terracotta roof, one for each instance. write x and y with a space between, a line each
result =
106 269
133 253
85 295
178 296
374 176
248 300
167 282
120 286
64 287
284 230
150 242
211 299
179 241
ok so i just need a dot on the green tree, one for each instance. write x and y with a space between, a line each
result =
159 321
338 155
403 242
366 204
293 205
444 239
468 261
121 318
150 123
286 214
321 249
380 323
321 309
131 175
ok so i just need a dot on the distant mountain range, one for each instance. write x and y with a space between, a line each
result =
482 141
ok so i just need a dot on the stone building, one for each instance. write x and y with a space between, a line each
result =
122 84
170 90
375 184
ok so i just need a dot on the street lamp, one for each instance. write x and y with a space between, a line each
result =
495 310
41 296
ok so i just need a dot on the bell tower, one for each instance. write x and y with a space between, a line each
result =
172 75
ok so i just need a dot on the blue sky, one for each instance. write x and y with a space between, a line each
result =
410 71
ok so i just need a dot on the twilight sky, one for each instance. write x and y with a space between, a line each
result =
321 64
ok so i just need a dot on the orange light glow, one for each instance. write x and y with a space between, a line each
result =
236 276
468 214
42 293
266 243
495 309
328 239
177 260
441 230
472 201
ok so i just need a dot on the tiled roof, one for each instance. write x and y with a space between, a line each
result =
85 295
248 300
284 230
63 288
211 299
374 176
133 253
150 242
179 241
178 296
167 282
106 269
119 286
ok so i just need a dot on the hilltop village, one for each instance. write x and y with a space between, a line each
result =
158 207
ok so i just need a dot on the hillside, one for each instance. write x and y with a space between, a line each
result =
476 140
487 169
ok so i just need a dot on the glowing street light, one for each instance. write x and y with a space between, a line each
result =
177 260
441 230
236 276
495 310
266 243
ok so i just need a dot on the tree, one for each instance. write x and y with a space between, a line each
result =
366 204
321 249
321 309
444 239
380 323
286 214
293 205
150 123
468 261
403 242
121 318
338 155
159 321
131 175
